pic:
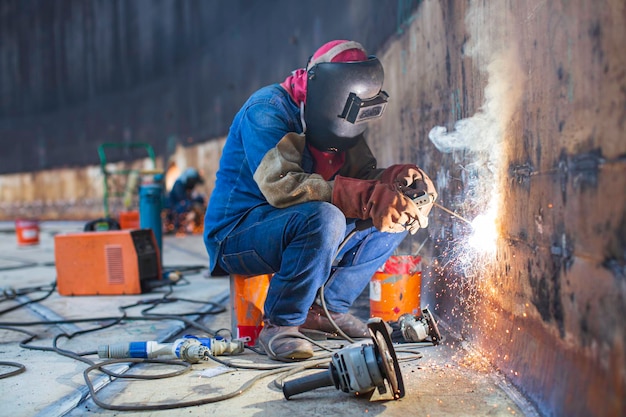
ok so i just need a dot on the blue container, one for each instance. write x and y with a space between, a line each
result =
150 206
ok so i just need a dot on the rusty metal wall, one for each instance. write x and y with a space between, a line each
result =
518 109
75 74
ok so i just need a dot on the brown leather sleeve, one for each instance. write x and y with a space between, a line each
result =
282 180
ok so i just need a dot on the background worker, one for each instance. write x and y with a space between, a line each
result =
295 176
182 199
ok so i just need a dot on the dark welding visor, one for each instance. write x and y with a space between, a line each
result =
358 110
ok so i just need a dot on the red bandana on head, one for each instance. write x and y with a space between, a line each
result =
333 51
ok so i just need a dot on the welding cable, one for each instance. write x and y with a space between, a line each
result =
73 321
15 293
106 318
25 344
20 368
216 308
165 299
358 226
273 369
125 317
79 356
153 285
411 352
229 332
54 348
167 406
272 354
10 293
255 350
114 321
238 365
184 268
186 367
23 264
79 333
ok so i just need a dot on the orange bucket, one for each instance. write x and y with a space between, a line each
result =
247 295
27 232
395 288
129 219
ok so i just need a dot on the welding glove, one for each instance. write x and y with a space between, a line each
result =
410 180
389 209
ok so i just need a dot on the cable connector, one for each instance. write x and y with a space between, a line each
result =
9 292
189 348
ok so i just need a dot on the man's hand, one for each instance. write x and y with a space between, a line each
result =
409 179
390 210
408 175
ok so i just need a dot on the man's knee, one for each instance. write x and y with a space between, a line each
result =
324 219
329 213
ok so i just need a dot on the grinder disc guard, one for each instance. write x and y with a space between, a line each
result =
386 358
358 369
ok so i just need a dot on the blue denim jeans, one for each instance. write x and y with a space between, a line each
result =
299 245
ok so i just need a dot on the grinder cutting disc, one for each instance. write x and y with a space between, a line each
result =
386 357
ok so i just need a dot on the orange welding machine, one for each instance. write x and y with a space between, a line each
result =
106 263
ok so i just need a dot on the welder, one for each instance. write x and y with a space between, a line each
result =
182 200
295 176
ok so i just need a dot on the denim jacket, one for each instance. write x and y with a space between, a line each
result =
265 161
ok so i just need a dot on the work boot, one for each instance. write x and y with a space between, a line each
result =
284 343
349 324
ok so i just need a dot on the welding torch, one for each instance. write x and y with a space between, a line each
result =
422 198
452 213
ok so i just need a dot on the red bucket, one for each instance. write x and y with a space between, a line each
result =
129 219
395 288
27 232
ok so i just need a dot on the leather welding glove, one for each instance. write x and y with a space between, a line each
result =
410 179
389 209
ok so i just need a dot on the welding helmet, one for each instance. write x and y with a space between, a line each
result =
341 97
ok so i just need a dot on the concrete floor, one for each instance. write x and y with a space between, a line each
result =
446 380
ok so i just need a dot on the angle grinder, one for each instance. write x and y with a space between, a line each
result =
358 369
418 328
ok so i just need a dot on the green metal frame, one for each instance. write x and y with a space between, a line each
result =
106 174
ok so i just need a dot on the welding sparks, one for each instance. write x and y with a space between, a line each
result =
484 231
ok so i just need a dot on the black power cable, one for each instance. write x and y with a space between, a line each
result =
22 263
20 368
148 314
167 406
12 294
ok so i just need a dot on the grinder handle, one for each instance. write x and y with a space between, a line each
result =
307 383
